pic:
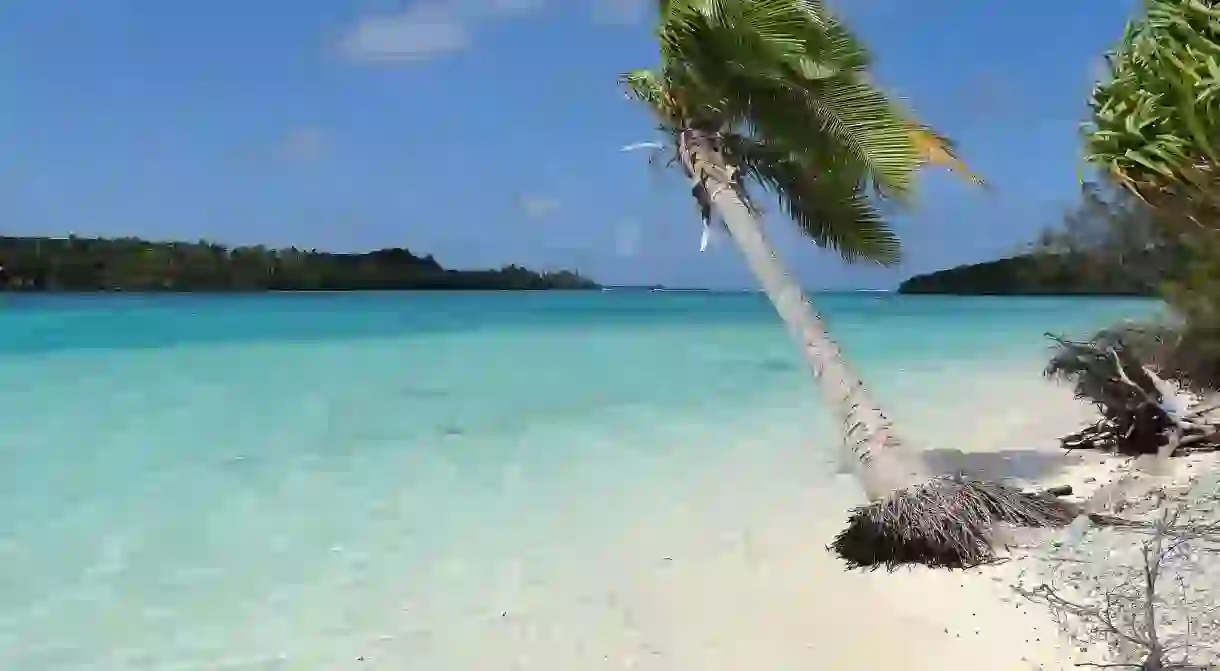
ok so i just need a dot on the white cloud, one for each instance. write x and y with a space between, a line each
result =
432 28
420 32
536 207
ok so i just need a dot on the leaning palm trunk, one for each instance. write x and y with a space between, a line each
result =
884 466
913 517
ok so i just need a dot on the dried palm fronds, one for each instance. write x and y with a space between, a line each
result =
948 522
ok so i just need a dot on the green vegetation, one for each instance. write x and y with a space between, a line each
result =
1110 244
132 264
1152 132
1026 275
1155 119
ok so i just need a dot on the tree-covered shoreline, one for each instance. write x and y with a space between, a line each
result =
1108 244
80 264
1025 275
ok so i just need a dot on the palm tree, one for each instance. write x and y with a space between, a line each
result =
776 94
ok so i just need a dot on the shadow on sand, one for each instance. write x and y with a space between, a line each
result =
1031 464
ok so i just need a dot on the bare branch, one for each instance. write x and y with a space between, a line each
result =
1121 602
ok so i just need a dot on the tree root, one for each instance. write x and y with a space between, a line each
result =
1142 413
1106 436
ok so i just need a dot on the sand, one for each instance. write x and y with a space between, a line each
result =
1100 567
974 619
762 591
985 617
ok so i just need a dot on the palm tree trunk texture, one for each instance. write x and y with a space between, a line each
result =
884 466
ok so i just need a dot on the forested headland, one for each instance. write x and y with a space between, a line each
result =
1107 244
131 264
1026 275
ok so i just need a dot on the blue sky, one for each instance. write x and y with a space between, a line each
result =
488 131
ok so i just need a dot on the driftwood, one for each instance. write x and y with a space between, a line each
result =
1141 413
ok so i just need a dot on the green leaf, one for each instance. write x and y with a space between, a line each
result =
827 201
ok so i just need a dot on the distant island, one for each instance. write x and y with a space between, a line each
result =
632 287
132 264
1028 275
655 287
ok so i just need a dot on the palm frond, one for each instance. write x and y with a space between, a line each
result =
850 118
938 150
766 31
795 76
648 87
799 33
827 201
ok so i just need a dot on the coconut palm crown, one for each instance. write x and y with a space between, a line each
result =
784 86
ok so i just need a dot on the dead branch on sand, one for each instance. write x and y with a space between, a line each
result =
1142 413
1155 613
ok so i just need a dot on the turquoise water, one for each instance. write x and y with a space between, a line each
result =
299 481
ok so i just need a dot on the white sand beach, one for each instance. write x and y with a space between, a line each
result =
915 618
920 618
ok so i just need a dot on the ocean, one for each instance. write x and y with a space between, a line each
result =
438 482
